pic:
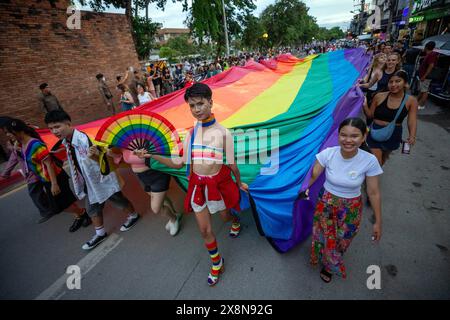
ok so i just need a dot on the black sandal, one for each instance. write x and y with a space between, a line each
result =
325 275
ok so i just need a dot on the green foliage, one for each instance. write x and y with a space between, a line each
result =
287 22
144 31
253 34
181 44
169 53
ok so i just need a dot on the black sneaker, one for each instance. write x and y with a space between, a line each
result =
95 241
77 223
129 223
87 221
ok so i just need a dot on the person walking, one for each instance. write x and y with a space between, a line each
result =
425 69
338 213
105 93
48 183
89 184
126 99
392 107
211 188
47 101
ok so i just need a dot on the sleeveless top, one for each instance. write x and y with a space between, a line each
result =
202 152
384 113
383 83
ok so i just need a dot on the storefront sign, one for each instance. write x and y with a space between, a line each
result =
416 19
425 4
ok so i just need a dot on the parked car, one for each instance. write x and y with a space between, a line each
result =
440 84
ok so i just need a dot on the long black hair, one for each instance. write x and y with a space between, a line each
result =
359 124
17 125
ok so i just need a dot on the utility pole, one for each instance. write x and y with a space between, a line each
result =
361 15
226 29
392 7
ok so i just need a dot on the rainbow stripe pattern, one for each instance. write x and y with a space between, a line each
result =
295 103
140 130
207 153
35 153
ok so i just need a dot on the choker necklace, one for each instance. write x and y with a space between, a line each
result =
208 122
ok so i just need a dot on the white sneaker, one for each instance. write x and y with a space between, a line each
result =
421 107
168 226
175 226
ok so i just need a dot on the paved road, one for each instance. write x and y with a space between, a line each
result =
147 263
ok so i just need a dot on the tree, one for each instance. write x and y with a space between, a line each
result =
287 23
169 53
205 19
144 31
253 33
181 44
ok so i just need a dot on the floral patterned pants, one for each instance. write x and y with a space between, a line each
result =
336 222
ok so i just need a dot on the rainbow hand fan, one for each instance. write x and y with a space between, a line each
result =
138 129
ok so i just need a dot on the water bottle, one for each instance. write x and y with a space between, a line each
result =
406 147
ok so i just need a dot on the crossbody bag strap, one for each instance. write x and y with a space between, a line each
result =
399 111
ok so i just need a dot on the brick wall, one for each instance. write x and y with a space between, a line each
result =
36 46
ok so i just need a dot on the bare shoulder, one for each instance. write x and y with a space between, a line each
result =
380 96
412 99
222 129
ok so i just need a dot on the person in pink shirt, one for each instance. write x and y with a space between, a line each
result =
155 183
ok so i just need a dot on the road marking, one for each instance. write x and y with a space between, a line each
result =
59 288
12 191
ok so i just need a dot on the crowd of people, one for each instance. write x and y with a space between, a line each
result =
364 146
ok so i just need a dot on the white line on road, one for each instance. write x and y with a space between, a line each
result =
12 191
59 288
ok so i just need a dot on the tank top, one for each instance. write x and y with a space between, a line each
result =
375 85
383 83
384 113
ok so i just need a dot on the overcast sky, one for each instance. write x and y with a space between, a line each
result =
329 13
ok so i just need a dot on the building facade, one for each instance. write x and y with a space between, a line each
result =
430 18
36 46
165 34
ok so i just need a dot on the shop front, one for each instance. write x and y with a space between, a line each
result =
430 18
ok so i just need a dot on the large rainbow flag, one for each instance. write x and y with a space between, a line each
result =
296 103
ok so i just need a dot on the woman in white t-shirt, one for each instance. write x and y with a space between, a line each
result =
338 212
143 95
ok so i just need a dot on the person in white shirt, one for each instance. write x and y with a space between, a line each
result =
88 182
143 96
338 211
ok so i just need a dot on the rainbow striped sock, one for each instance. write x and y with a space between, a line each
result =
215 257
235 227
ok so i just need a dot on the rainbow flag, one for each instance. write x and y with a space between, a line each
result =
290 103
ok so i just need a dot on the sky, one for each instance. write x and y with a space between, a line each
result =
329 13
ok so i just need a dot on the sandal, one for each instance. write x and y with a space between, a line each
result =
325 275
213 276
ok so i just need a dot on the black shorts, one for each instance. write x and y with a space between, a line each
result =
393 143
154 180
65 198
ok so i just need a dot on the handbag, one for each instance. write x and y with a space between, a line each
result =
385 133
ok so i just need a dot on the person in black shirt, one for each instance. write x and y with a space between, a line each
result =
409 61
